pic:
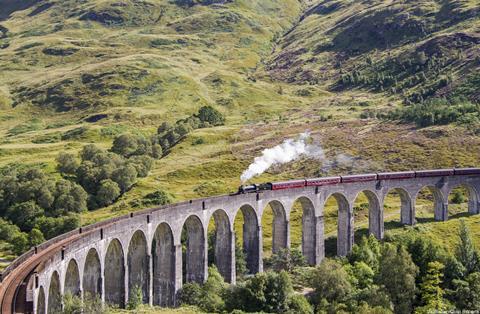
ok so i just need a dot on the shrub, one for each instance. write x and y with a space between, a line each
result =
125 177
107 193
143 164
125 145
298 304
191 293
24 214
67 163
211 115
156 198
135 298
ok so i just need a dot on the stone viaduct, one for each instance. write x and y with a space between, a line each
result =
143 250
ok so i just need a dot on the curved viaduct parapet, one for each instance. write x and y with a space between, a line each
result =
143 250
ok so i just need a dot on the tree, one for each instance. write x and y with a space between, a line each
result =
53 226
432 293
157 151
24 214
287 260
107 193
367 251
90 151
164 127
240 261
20 243
465 251
211 115
211 300
67 163
397 274
125 177
88 175
35 237
423 252
143 164
268 292
298 304
331 282
466 294
191 293
69 197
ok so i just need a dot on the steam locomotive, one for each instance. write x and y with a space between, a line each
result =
253 188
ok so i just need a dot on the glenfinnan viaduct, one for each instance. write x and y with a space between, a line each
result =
144 249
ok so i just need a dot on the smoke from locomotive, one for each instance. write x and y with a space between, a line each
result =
289 150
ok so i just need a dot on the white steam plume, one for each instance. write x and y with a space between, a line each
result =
289 150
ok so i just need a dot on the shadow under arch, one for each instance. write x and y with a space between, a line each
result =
472 195
194 257
92 279
375 213
222 253
54 294
251 237
114 274
439 212
72 279
137 263
163 257
279 225
308 228
41 301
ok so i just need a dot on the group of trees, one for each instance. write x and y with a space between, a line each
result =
437 112
403 274
415 70
35 206
106 175
168 135
268 292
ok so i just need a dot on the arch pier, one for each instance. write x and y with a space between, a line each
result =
157 250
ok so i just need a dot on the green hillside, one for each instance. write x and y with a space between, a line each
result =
74 73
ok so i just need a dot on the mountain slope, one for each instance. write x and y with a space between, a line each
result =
414 49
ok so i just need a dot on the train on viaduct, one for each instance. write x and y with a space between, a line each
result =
143 250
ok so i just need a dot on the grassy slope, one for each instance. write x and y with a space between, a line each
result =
151 67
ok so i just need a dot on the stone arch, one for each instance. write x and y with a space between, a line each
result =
440 211
279 226
138 265
41 301
72 279
407 214
344 224
375 213
472 194
114 274
222 244
194 261
308 229
54 294
251 238
92 275
163 257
